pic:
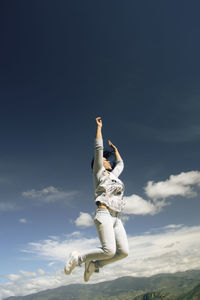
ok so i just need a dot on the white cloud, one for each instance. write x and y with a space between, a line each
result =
84 220
183 184
51 264
177 185
170 249
173 226
34 285
7 206
49 194
27 274
50 249
75 233
13 277
41 272
22 220
138 206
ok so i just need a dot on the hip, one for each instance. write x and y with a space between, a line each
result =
103 208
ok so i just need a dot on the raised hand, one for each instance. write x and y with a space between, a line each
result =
117 155
99 126
99 121
111 145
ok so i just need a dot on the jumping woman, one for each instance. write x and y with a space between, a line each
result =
109 191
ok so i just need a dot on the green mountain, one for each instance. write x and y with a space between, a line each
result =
163 286
194 294
154 296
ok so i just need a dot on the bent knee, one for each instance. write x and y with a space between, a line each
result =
110 252
123 253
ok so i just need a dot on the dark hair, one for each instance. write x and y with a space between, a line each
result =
107 154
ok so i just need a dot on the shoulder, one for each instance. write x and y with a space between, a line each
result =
99 173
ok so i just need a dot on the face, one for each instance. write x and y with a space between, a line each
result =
106 164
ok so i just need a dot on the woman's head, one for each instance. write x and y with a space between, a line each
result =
107 164
108 160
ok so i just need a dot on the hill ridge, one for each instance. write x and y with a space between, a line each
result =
169 285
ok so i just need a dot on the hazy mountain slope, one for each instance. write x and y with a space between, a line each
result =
154 296
165 286
194 294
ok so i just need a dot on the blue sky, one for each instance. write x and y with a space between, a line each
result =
63 63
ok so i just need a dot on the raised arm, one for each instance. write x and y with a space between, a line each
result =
98 148
119 162
99 126
117 155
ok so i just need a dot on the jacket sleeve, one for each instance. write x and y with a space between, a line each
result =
118 168
98 155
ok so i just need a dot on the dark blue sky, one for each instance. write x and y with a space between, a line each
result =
63 63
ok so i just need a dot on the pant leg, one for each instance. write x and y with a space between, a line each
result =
104 225
122 248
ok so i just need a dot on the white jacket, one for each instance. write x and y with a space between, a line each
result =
109 189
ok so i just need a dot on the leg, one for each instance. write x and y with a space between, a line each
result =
121 244
104 226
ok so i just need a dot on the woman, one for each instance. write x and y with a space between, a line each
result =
109 191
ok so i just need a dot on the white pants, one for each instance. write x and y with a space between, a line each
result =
112 235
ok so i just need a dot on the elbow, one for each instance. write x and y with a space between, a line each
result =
120 163
121 166
98 148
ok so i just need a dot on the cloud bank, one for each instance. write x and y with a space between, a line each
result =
169 249
185 184
48 195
